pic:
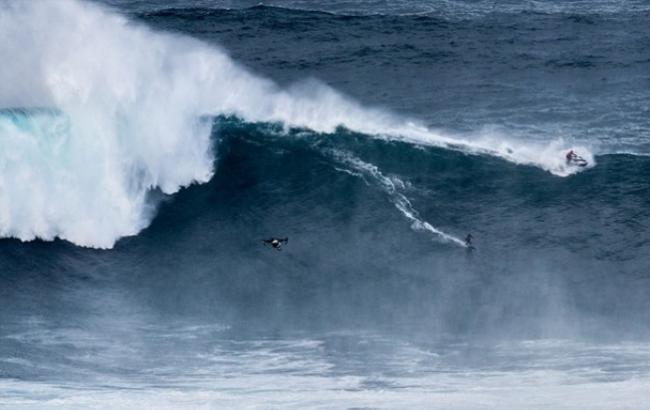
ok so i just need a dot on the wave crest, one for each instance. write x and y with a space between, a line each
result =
131 107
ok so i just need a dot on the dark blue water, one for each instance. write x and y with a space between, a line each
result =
373 292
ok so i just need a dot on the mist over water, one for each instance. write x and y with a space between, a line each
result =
146 149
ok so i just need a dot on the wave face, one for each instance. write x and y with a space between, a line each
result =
134 118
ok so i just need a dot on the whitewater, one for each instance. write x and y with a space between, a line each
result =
126 111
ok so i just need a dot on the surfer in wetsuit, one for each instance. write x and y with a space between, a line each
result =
276 243
468 240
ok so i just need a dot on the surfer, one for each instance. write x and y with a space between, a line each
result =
468 240
276 243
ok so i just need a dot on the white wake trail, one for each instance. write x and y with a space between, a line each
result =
390 186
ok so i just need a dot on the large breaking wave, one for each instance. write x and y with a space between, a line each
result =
128 112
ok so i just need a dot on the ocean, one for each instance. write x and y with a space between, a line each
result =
148 148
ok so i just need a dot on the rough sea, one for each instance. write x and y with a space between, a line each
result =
147 148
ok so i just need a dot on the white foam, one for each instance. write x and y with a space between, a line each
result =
132 101
299 374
